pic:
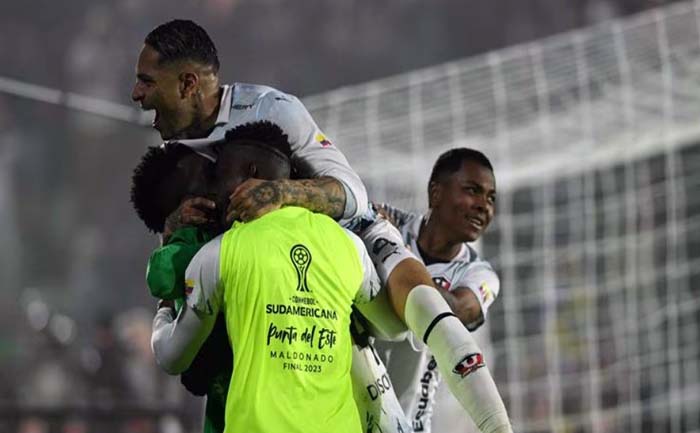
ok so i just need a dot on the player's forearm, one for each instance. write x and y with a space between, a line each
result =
323 195
464 305
176 342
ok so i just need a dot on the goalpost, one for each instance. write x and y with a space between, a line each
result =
595 139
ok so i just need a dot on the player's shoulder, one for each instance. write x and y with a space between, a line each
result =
409 225
245 94
253 102
209 251
469 256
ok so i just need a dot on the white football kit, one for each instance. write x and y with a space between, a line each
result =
411 367
313 154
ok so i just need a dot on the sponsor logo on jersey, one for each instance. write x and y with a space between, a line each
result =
323 140
469 364
428 385
242 106
379 387
301 259
189 287
486 293
442 283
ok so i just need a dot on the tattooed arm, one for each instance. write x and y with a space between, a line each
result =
256 197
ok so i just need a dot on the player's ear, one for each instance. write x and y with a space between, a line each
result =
252 170
189 82
434 194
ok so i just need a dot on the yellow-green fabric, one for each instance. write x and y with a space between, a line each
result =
289 281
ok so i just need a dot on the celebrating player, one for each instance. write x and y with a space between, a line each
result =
285 284
461 197
158 184
177 76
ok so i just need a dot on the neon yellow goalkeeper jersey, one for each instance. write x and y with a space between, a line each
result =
286 283
290 279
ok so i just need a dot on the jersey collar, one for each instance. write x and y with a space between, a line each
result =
416 225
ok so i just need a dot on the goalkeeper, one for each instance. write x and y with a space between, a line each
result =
177 75
307 346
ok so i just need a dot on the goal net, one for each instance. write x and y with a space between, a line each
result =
595 139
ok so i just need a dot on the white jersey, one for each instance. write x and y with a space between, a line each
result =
414 374
313 154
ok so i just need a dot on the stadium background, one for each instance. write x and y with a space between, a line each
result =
593 133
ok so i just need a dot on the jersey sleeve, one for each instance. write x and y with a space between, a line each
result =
398 217
313 154
482 280
372 299
369 288
176 341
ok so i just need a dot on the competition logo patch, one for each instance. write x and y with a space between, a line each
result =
469 364
442 283
486 293
301 259
189 287
323 140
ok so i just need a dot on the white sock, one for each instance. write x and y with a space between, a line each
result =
458 357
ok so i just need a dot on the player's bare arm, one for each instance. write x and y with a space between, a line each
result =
256 197
464 304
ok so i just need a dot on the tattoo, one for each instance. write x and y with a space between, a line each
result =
172 223
324 195
267 193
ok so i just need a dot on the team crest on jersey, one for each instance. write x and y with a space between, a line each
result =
486 293
301 259
469 364
323 140
442 283
189 287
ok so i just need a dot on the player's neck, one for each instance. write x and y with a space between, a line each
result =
434 240
211 104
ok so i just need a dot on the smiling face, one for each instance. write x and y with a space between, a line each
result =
463 202
162 87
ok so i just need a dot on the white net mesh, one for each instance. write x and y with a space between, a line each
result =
595 137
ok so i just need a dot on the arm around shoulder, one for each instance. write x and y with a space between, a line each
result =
176 341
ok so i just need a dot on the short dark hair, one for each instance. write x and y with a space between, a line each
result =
147 182
451 161
263 132
183 40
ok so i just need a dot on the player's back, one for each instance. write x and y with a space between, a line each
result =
290 278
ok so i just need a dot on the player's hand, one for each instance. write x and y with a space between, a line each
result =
381 210
254 198
165 303
192 211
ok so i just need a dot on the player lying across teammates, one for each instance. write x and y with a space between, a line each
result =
177 76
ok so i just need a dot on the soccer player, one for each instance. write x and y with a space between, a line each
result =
461 198
158 183
177 76
285 283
